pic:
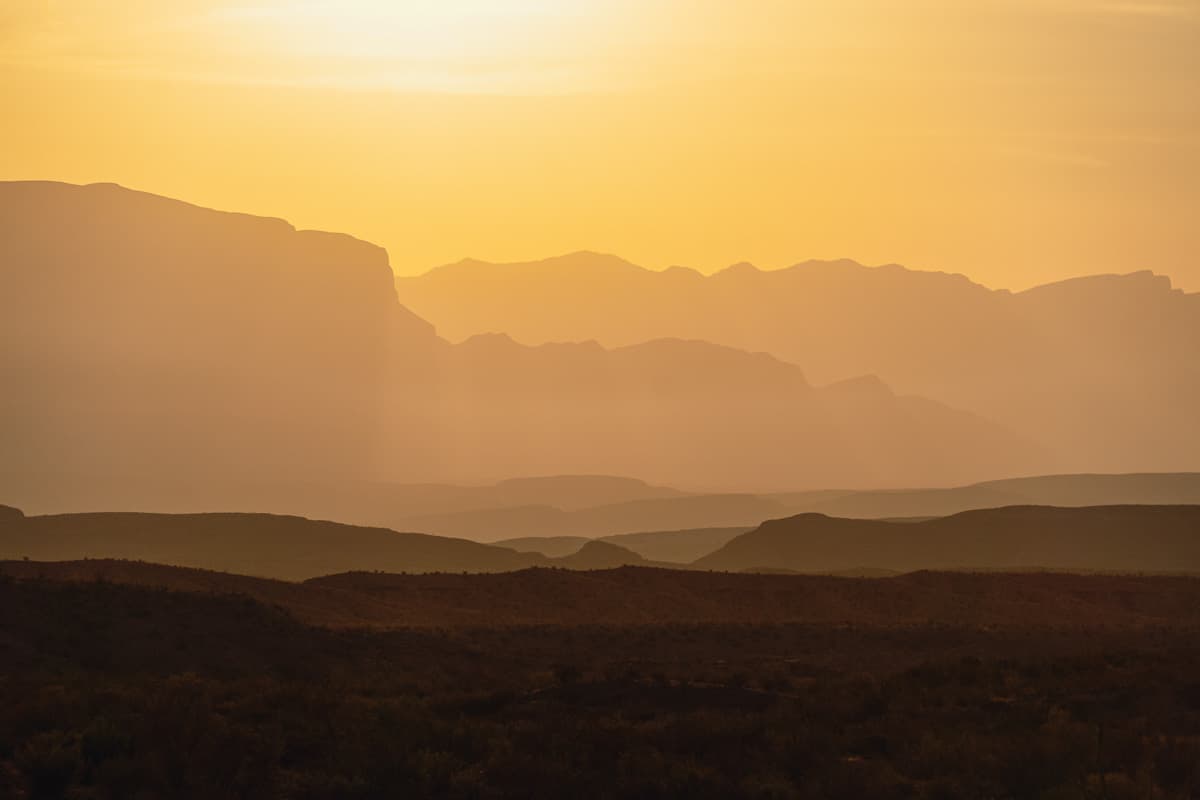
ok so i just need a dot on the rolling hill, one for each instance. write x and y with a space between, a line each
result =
676 547
682 546
1116 538
552 546
604 555
291 548
274 546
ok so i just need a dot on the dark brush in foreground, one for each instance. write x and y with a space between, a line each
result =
641 596
119 691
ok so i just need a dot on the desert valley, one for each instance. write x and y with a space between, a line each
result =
490 399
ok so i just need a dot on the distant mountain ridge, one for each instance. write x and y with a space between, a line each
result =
149 337
1047 490
606 521
1098 538
1100 369
276 546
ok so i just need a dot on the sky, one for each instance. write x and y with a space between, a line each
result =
1015 141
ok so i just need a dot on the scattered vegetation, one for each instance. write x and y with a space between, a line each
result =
118 691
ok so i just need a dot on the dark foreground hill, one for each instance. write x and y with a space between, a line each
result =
291 548
1118 538
642 596
273 546
1114 538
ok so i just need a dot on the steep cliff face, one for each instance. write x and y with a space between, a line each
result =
147 337
143 334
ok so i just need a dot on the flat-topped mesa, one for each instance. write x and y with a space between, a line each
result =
1146 283
153 335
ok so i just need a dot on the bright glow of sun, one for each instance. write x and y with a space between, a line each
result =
415 44
698 132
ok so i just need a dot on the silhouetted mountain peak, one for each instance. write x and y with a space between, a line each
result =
574 264
597 554
737 270
589 258
682 272
848 267
831 264
1141 282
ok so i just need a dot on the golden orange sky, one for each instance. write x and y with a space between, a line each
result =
1017 142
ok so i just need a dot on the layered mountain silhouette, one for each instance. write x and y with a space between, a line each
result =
265 545
378 503
146 338
1101 369
1049 490
674 547
553 546
690 413
600 521
1119 538
1096 538
275 546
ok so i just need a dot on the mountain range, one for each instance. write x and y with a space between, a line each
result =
555 515
145 337
162 356
1044 490
1099 370
274 546
264 545
1095 538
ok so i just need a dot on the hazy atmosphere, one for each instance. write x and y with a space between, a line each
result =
1014 142
598 399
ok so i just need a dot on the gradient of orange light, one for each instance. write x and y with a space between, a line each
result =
1013 142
